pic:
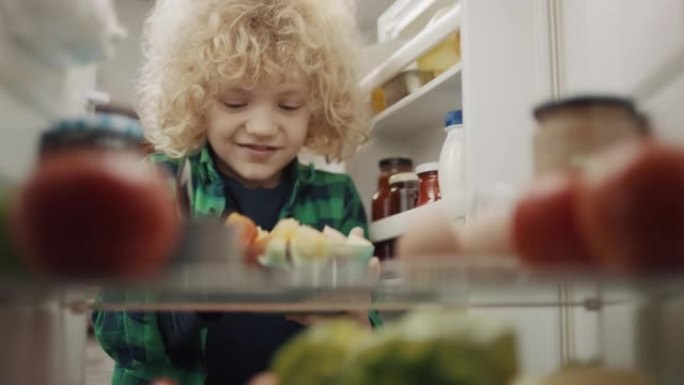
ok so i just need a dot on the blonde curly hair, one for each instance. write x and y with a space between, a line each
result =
193 47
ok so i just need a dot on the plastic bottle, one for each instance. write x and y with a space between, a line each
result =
452 179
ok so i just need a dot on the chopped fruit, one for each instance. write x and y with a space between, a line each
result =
247 230
357 231
285 229
355 240
275 253
262 239
309 244
333 236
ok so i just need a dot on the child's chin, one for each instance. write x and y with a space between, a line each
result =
263 177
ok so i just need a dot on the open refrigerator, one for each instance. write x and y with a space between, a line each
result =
514 55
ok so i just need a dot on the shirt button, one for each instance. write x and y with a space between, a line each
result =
213 211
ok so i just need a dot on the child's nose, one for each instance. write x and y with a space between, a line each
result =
261 123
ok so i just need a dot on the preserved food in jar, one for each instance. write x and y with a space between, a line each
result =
381 198
403 192
388 167
569 131
428 185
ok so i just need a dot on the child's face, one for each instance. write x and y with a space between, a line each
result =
256 132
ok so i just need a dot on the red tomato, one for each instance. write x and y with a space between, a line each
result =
545 230
94 214
631 208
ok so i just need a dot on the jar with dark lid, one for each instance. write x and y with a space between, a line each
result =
570 131
99 131
381 199
428 183
403 192
388 167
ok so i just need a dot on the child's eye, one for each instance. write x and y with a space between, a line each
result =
289 107
234 105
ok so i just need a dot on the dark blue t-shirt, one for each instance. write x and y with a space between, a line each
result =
241 345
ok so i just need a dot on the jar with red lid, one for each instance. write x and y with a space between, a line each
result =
388 167
428 183
403 192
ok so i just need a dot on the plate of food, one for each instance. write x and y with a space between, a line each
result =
307 256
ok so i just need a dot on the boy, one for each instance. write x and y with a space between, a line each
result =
237 88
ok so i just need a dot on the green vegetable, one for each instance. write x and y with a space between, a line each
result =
320 354
434 346
428 346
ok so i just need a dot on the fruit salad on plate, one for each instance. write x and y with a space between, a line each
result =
291 244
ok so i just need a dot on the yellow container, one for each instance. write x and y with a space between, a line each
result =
443 56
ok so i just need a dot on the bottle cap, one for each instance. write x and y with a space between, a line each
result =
403 177
453 117
427 167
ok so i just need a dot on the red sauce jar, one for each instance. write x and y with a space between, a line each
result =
403 192
388 167
381 199
428 185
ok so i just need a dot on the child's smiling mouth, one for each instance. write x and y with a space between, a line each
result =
258 149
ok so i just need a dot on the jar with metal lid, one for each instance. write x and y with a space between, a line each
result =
381 199
388 167
428 183
403 192
100 131
570 131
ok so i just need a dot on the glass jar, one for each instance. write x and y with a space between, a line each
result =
388 167
381 199
403 192
102 131
570 131
428 183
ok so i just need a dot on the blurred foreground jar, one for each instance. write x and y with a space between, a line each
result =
10 262
571 130
101 131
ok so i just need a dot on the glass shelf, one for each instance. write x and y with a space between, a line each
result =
476 282
455 282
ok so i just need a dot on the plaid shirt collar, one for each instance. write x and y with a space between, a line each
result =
213 184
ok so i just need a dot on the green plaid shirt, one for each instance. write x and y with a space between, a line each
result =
134 339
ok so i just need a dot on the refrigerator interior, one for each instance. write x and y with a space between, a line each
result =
515 54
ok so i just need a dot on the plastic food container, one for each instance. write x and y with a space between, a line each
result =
403 84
